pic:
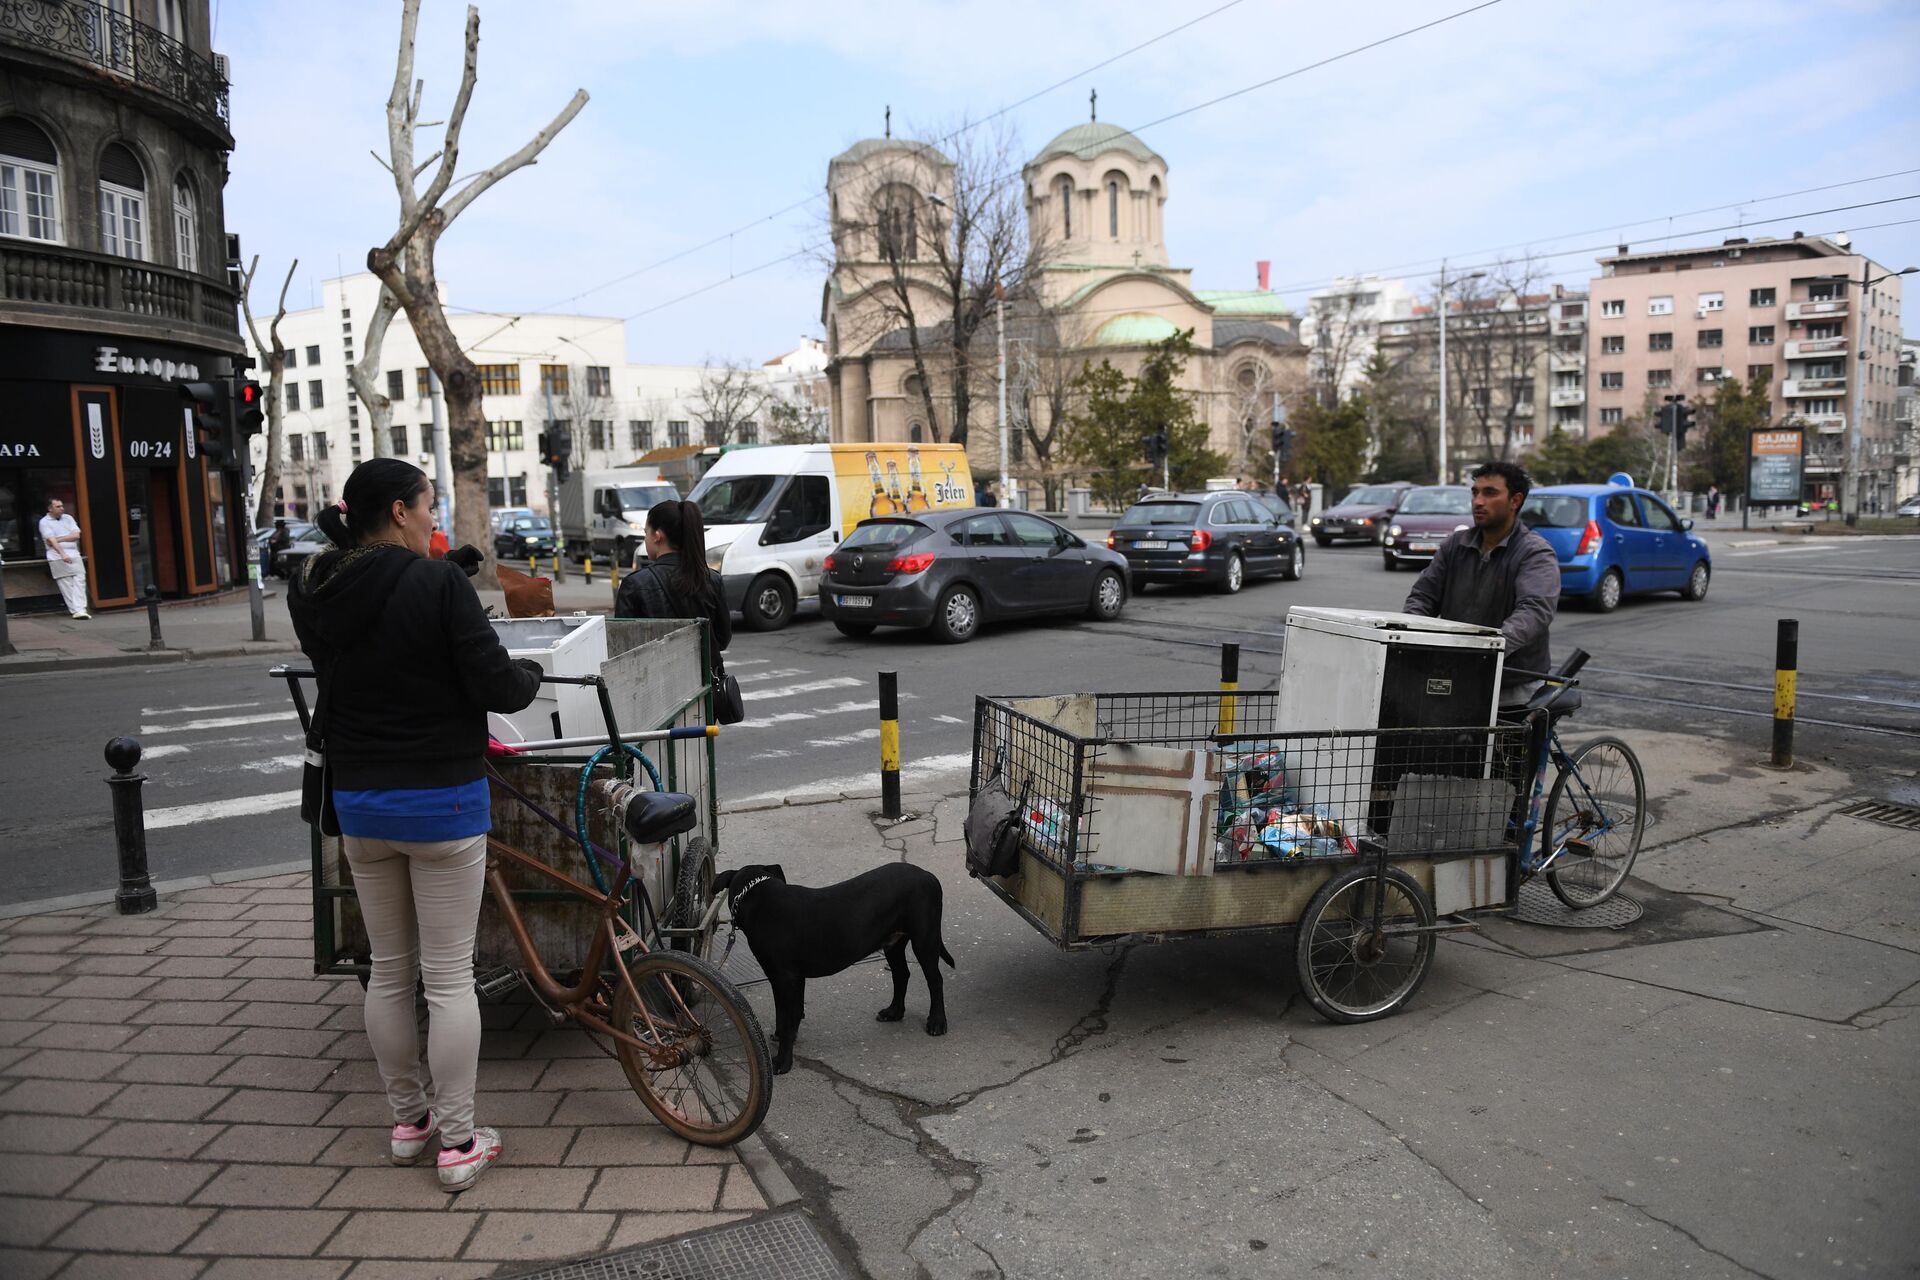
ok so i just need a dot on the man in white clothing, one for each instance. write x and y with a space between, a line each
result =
61 533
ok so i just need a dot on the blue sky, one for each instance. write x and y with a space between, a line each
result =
1557 125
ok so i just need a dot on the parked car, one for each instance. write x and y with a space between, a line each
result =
306 540
1362 516
1910 508
1616 540
1426 516
1278 507
1220 537
500 515
523 536
952 571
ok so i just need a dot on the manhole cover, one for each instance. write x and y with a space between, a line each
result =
1539 906
1902 817
782 1247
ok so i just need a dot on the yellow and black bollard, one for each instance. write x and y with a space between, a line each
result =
533 566
890 744
1229 686
587 568
1786 680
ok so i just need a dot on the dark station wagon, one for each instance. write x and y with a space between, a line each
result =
1221 538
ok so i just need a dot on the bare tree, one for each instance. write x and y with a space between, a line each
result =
798 416
1342 328
364 372
1498 332
274 352
404 263
730 397
943 255
1045 354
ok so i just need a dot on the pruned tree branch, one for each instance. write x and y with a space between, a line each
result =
364 373
275 354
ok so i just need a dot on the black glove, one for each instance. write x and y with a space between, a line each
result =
528 664
469 558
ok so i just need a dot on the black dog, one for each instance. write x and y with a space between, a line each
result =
799 933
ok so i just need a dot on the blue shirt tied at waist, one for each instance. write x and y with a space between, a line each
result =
423 815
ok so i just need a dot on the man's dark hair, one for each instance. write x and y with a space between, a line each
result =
1518 481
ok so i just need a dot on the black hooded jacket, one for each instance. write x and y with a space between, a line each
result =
408 664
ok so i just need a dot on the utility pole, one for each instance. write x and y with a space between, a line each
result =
553 500
1000 295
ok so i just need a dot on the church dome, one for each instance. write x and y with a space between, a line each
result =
1085 141
867 148
1134 328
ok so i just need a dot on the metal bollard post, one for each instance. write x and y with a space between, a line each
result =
1229 684
129 828
1786 678
587 568
890 744
6 644
153 618
533 566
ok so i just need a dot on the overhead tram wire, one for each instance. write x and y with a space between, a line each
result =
802 203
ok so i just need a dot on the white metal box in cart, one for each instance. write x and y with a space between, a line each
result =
572 645
1356 671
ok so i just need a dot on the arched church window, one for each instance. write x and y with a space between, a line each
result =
1113 208
916 434
1065 190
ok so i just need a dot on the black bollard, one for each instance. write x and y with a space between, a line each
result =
1786 680
890 744
129 828
6 644
153 618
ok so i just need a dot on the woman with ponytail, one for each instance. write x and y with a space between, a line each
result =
675 581
408 667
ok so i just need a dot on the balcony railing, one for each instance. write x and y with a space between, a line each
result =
1808 348
1560 396
94 34
1812 387
1826 424
1823 307
51 279
1566 325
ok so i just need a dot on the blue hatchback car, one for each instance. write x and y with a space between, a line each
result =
1615 540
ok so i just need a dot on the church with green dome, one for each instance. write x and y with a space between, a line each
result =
1095 281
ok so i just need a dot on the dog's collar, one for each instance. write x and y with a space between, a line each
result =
752 884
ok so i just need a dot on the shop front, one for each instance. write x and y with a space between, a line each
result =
100 424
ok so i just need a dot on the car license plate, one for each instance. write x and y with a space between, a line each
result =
1423 546
854 602
1151 544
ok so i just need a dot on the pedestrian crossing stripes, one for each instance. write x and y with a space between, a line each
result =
219 722
811 686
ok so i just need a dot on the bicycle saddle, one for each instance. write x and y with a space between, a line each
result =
652 816
1556 700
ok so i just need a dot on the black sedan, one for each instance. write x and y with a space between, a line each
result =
523 536
1222 537
951 571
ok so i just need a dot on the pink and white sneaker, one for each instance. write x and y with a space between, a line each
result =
461 1169
409 1141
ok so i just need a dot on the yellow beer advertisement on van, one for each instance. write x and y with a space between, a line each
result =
900 479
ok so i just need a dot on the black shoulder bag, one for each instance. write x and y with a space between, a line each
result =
993 825
316 778
729 706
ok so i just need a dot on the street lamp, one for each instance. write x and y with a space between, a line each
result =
1443 360
1850 486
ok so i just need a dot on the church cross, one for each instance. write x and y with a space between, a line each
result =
1093 105
889 119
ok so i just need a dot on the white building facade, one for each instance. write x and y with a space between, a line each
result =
534 369
1341 327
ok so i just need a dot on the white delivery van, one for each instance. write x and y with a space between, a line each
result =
604 513
774 512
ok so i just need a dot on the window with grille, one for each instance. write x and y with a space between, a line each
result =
499 379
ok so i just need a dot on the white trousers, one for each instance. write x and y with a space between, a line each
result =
74 591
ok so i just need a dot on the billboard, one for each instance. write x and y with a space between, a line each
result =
897 480
1775 461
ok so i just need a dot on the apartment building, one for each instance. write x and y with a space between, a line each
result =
534 369
1344 323
1674 322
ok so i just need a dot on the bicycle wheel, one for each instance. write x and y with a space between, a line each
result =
693 890
1598 810
1349 972
706 1074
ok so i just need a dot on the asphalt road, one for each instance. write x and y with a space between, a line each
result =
222 742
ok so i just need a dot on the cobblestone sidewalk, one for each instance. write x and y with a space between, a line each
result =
181 1097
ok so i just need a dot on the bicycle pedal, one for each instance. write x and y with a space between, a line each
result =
625 939
497 983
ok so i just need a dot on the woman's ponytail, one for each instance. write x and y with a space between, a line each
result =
679 522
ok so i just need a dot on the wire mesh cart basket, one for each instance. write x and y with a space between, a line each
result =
654 676
1145 817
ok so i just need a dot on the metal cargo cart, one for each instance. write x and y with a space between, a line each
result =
1146 817
654 679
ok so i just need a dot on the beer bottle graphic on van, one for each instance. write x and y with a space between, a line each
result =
916 488
895 490
882 503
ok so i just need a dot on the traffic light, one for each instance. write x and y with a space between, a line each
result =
1682 423
212 406
1155 443
1282 441
556 447
249 409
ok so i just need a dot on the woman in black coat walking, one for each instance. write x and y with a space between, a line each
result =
675 581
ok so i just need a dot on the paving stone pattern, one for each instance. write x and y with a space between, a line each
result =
181 1097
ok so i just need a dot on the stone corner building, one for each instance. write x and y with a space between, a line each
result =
114 289
1105 287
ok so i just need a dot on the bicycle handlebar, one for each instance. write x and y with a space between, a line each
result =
1568 669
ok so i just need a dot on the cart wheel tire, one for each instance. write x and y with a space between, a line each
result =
854 630
769 603
1616 787
1296 566
1605 597
1109 597
956 619
692 890
713 1077
1347 974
